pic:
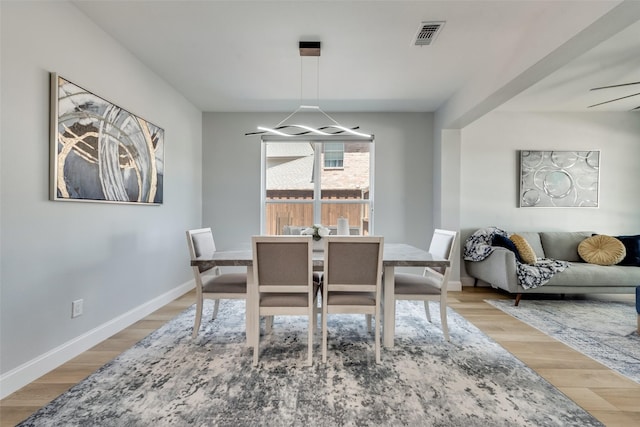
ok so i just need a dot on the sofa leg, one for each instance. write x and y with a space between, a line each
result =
475 282
518 298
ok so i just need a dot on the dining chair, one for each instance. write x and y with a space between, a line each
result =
432 284
283 272
352 281
211 283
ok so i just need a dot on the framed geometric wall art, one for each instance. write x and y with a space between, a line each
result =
559 178
101 152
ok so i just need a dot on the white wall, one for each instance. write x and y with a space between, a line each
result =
489 164
116 257
403 174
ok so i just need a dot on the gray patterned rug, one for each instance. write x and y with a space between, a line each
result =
170 379
606 331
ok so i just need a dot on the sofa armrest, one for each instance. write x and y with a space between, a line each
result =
498 269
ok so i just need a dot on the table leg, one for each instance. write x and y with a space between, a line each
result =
251 315
389 317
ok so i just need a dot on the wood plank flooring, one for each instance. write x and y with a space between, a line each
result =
608 396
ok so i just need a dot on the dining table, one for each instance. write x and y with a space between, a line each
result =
394 255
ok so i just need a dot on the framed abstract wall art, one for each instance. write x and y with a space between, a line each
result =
559 178
101 152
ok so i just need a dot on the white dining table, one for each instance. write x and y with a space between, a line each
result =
394 255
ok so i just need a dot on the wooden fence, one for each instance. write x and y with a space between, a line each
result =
301 214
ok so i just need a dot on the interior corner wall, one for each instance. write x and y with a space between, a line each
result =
448 176
490 181
403 174
116 257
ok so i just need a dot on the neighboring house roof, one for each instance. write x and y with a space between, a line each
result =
297 174
293 175
287 149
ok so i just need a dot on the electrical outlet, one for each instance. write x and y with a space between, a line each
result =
76 308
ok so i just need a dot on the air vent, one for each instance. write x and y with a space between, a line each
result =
428 32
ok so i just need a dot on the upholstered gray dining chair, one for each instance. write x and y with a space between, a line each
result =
352 281
432 284
283 274
211 283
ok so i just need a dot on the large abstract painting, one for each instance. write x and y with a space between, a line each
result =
559 178
101 152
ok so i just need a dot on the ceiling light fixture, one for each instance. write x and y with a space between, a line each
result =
619 98
293 129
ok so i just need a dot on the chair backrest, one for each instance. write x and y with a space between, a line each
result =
442 243
200 242
283 263
353 263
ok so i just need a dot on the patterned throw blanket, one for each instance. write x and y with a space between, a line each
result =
478 247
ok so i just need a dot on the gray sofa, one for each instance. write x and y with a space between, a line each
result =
499 268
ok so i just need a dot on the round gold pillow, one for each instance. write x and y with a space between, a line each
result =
525 250
602 250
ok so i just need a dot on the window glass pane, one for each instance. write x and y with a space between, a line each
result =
352 180
357 215
348 187
289 187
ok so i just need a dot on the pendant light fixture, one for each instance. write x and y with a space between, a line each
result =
290 127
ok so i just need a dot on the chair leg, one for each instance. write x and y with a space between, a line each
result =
312 313
324 335
426 310
317 311
256 342
443 317
376 327
215 310
269 324
196 325
368 323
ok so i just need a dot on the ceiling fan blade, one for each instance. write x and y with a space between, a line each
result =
620 85
617 99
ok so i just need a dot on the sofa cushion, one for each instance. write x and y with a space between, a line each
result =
524 249
582 275
602 250
632 246
533 238
505 242
563 245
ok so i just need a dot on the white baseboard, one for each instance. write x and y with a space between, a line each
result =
18 377
454 285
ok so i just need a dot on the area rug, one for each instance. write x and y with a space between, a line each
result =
169 378
606 331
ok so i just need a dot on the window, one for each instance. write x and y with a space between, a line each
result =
333 155
306 183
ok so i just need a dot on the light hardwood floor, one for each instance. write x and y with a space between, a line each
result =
608 396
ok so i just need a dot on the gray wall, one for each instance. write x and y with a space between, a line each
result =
116 257
403 174
489 165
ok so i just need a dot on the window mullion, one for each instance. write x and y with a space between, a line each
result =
317 183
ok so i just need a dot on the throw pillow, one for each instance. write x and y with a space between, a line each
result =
632 246
505 242
524 249
602 250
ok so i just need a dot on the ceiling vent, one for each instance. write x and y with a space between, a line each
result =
428 32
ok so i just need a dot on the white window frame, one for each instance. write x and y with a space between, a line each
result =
317 201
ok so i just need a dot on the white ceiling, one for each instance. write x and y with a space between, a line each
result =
243 55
